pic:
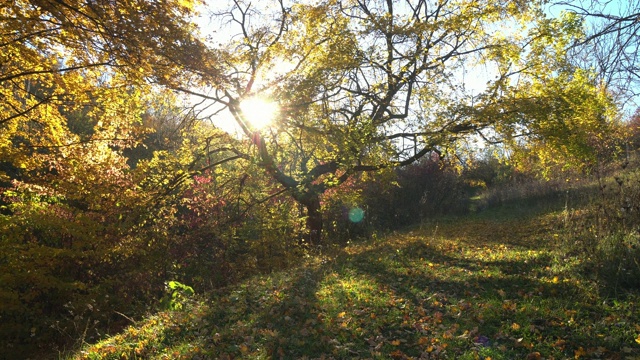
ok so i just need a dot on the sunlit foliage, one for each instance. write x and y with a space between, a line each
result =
373 84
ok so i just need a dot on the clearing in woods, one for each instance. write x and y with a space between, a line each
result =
479 287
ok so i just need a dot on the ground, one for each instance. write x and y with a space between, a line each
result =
498 285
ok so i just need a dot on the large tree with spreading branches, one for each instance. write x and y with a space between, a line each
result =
363 85
360 85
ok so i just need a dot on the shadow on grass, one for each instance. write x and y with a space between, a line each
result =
415 298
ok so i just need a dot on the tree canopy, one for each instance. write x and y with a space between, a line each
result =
88 60
610 45
366 85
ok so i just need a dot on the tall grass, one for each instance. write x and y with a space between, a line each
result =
604 231
596 219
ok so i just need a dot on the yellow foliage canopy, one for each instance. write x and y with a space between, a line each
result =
88 60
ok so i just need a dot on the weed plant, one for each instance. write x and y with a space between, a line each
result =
604 233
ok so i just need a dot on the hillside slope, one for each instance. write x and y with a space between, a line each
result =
473 288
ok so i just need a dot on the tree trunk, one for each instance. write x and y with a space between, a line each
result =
313 234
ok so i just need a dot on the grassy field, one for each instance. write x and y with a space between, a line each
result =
490 286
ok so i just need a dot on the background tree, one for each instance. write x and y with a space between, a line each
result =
634 130
611 43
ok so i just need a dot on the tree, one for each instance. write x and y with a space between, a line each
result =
86 231
94 58
611 44
366 85
76 222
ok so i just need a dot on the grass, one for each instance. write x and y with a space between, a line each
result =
480 287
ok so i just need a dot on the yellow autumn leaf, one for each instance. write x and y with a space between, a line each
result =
638 339
395 342
508 305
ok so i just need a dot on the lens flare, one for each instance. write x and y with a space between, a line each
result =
356 215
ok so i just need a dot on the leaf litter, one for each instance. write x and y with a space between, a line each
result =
479 289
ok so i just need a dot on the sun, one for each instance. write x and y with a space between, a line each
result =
259 112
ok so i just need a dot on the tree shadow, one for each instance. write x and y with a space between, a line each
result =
408 298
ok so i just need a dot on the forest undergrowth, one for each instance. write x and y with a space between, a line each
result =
506 283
